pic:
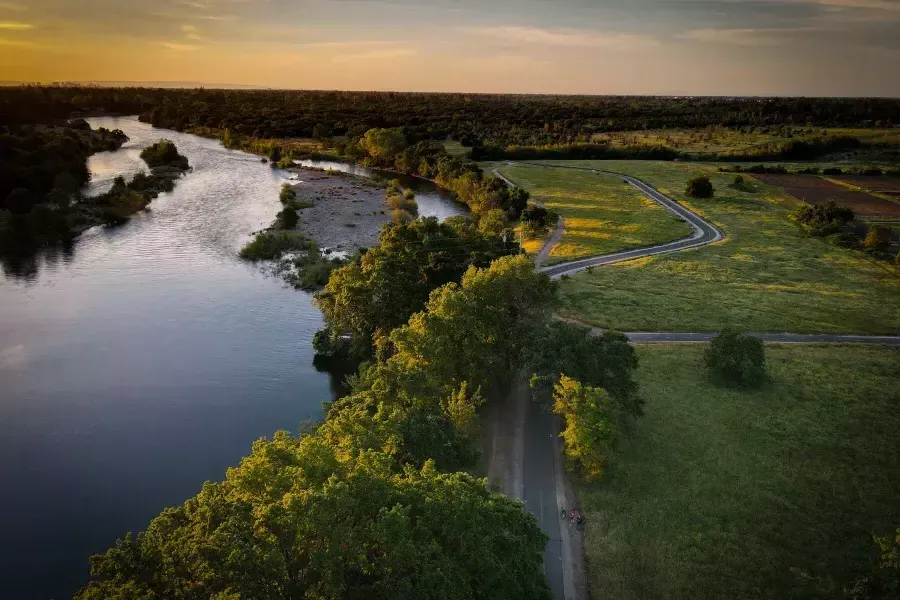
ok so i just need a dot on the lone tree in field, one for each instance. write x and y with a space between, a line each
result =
737 358
699 187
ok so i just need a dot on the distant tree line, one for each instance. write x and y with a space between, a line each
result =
473 119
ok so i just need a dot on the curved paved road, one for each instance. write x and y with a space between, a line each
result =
704 232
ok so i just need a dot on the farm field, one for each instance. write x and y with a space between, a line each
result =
767 493
884 185
817 190
765 276
602 214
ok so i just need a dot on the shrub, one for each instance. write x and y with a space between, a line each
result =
287 193
738 181
737 358
699 187
873 172
269 245
400 216
403 203
823 219
832 171
287 218
878 238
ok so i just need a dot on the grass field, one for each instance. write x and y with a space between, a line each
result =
765 276
602 214
774 493
724 140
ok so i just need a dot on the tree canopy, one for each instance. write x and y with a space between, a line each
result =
298 520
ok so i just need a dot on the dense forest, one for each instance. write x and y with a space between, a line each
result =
474 119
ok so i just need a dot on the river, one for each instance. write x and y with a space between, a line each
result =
146 361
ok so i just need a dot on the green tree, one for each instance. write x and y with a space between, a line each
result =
699 187
607 361
275 154
492 223
383 145
163 154
476 332
591 428
385 286
298 520
737 357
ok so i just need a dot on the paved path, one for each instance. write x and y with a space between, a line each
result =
703 232
541 256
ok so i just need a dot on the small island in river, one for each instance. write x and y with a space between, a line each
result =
327 217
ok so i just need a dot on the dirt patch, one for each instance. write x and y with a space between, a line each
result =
347 211
816 190
884 185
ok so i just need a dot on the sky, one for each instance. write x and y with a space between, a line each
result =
671 47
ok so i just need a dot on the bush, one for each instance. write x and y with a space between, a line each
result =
401 217
821 220
699 187
287 193
269 245
832 171
738 181
287 218
403 203
737 358
878 238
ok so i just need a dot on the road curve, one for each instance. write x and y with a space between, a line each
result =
703 233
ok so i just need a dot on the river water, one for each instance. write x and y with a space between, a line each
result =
146 361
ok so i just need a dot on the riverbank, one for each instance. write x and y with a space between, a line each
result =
342 212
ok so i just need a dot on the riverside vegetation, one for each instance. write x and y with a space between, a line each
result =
43 173
374 501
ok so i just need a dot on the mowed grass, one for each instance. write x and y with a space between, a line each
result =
765 276
602 214
773 493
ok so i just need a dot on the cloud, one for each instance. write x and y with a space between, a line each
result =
180 47
12 6
564 38
377 54
15 26
191 32
760 38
